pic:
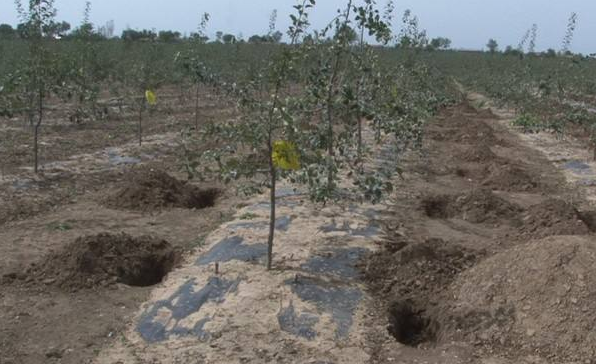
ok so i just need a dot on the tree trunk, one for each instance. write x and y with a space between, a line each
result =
273 175
197 108
35 148
141 123
36 132
330 144
359 117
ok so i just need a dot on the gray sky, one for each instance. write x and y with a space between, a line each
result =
469 23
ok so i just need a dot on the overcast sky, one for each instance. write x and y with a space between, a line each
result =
469 23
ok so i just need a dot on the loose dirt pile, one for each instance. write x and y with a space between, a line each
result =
509 177
477 132
553 217
147 189
478 153
465 130
520 300
104 259
478 206
417 267
409 278
536 298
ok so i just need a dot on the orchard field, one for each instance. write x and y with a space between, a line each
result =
358 193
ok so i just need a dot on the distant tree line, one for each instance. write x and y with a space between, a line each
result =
527 44
411 36
63 30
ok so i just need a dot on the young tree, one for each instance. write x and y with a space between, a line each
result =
201 34
81 74
571 25
339 98
533 37
193 66
369 20
411 37
522 43
37 20
261 141
348 33
146 80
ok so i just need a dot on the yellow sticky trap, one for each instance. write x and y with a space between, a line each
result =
285 155
150 97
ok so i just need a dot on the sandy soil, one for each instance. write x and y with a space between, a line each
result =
471 260
479 265
41 322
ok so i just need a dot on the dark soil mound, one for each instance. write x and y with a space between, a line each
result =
478 206
103 259
479 133
152 190
553 217
409 278
466 131
478 153
416 267
534 299
509 177
441 133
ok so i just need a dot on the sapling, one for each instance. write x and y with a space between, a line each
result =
568 39
194 67
199 75
149 99
369 21
277 134
258 142
533 37
325 84
335 91
38 18
145 76
82 80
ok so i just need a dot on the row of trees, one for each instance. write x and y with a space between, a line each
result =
410 37
63 30
305 111
58 30
304 106
493 47
527 44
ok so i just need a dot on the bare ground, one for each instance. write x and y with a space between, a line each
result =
477 264
44 219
